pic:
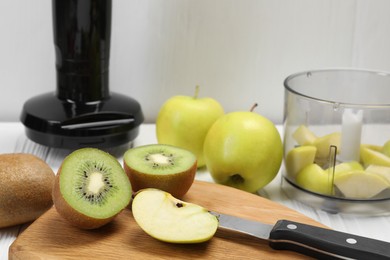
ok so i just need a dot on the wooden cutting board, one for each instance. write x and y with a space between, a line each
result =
51 237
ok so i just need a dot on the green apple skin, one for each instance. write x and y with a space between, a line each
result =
243 150
315 179
184 121
169 219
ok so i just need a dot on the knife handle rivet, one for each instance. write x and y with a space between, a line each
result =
351 241
291 226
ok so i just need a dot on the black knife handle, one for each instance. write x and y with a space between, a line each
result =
324 243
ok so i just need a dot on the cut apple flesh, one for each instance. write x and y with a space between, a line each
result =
360 184
374 147
372 157
324 143
386 148
350 178
346 167
303 135
298 158
315 179
380 170
169 219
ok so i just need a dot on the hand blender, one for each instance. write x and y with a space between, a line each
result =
82 112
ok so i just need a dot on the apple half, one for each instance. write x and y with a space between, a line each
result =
169 219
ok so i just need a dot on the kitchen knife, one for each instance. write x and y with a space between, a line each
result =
309 240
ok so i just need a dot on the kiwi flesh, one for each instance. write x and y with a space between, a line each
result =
165 167
91 188
26 183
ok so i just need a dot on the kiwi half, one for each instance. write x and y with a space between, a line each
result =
165 167
91 188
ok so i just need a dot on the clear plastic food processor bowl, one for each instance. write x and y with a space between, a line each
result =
337 140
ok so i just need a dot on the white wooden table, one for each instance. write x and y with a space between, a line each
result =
13 139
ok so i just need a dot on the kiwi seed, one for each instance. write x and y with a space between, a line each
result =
92 171
160 159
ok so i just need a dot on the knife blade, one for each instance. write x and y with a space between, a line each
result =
317 242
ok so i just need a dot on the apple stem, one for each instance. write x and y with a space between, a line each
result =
196 91
253 107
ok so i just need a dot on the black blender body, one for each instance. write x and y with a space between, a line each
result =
82 112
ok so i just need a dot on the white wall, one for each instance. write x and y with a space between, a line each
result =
239 51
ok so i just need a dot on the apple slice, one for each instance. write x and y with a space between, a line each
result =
374 147
346 167
360 184
369 156
380 170
303 135
298 158
315 179
168 219
323 144
386 148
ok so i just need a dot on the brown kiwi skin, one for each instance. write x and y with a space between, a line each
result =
176 184
73 216
26 183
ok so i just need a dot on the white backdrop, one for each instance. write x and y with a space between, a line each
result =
239 51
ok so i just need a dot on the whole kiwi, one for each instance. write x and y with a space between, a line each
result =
26 184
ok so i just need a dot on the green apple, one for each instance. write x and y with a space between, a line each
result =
168 219
315 179
303 135
380 170
386 148
183 121
298 158
360 184
243 150
369 156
